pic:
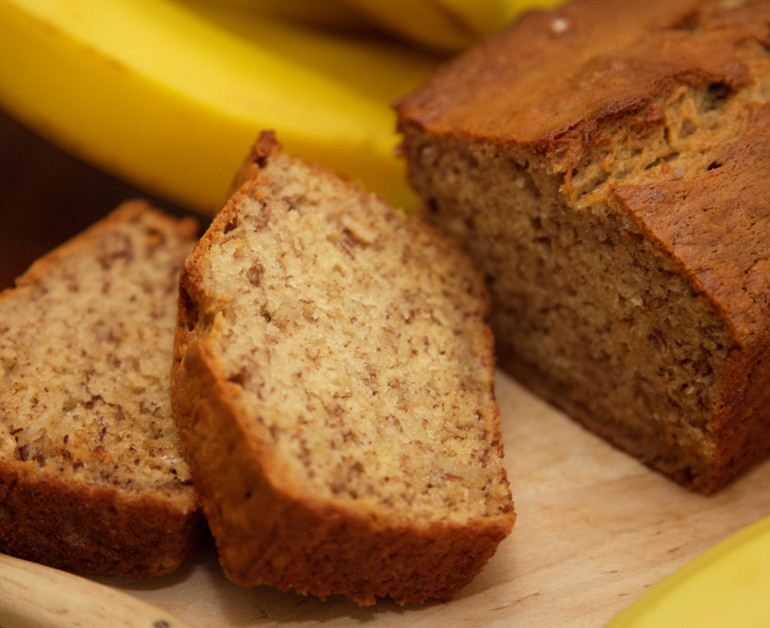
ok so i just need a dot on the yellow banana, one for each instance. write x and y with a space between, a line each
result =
155 92
374 66
335 15
445 25
515 8
725 586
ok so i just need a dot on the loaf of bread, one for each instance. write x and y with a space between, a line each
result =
92 479
608 165
333 385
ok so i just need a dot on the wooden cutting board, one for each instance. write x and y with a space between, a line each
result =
595 529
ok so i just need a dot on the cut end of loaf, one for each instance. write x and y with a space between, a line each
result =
618 207
349 349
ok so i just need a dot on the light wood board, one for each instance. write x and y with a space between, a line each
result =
595 529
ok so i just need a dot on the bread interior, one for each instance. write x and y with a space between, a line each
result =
85 350
356 344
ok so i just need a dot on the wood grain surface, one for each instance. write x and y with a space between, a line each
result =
595 529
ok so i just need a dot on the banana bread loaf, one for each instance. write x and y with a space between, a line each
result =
608 165
91 476
333 385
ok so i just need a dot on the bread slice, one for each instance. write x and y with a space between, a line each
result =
608 165
91 476
333 384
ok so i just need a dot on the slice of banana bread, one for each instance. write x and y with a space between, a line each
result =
333 384
91 476
608 165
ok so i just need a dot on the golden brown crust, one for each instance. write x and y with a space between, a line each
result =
48 512
269 528
97 530
512 89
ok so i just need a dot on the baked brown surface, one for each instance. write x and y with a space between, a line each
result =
91 476
618 203
333 384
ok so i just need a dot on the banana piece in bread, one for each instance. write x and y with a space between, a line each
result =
92 479
333 385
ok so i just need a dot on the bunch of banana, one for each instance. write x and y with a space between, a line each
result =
170 94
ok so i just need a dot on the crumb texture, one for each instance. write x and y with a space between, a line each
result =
356 342
86 341
86 348
346 346
623 225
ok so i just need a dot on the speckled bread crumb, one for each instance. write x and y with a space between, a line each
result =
91 475
333 383
608 165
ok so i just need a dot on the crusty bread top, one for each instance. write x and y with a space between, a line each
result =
86 341
552 79
352 344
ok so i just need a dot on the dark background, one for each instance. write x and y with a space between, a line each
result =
47 196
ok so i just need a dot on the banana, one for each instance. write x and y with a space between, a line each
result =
516 8
725 586
334 15
376 67
447 26
161 95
